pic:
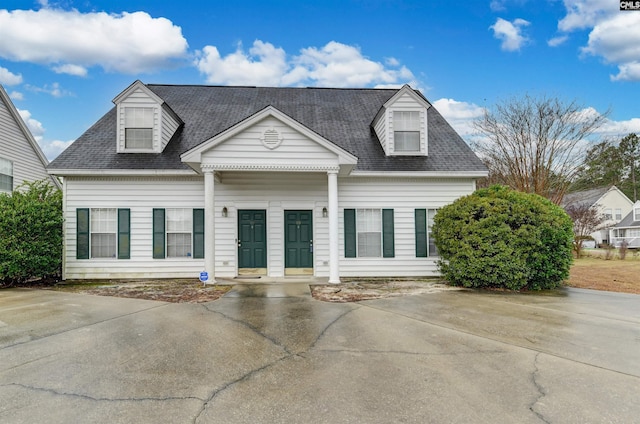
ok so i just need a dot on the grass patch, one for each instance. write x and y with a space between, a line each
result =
609 275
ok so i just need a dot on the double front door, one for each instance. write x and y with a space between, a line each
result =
252 242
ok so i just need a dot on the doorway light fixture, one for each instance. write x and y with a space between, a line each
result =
325 213
225 212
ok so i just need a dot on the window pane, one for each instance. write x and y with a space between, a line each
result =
138 117
178 245
103 232
103 245
6 175
138 138
179 220
369 228
433 251
406 121
406 141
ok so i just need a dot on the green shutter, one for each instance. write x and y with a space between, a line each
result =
388 246
124 234
158 234
82 233
349 233
198 233
421 233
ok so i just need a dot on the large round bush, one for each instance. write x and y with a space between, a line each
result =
497 237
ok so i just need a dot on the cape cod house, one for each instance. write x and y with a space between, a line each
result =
324 182
21 159
611 202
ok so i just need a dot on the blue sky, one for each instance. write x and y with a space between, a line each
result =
63 62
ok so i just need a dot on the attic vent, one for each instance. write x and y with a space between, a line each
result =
271 138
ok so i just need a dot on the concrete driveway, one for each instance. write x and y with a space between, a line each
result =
259 356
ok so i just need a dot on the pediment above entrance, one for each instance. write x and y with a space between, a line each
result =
270 140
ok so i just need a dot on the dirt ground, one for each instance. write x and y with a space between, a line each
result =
588 273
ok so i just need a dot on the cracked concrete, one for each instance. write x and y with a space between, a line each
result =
453 357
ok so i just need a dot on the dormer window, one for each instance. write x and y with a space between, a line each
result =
406 131
636 213
138 131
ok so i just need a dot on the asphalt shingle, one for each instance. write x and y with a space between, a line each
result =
342 116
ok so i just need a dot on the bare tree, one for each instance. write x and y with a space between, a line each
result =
533 144
586 220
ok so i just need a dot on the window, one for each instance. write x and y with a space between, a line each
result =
138 131
618 214
178 233
103 233
369 233
179 225
607 214
636 214
425 244
406 135
6 175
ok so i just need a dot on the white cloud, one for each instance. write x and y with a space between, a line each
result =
460 115
54 90
16 95
126 42
335 65
35 126
79 71
620 128
9 78
614 35
52 149
510 33
556 41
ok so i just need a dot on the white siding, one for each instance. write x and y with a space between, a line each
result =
14 146
403 195
381 131
169 126
246 149
273 191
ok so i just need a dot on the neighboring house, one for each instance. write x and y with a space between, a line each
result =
21 159
628 229
324 182
610 201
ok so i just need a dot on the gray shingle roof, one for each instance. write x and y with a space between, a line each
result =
584 197
343 116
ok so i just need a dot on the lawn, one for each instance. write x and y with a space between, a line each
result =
610 275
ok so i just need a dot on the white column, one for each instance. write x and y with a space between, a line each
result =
209 225
334 248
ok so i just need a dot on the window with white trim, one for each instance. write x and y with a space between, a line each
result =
138 128
425 243
179 227
406 131
104 227
636 214
618 214
6 175
369 233
607 214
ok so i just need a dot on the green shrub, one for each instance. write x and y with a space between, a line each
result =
497 237
30 233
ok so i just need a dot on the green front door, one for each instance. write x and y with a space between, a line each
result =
252 240
298 246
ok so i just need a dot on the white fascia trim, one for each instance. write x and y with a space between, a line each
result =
433 174
121 172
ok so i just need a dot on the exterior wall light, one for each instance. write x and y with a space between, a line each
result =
225 212
325 213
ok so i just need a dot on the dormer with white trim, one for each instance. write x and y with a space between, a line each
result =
145 122
401 124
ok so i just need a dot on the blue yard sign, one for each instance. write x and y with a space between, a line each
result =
204 276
